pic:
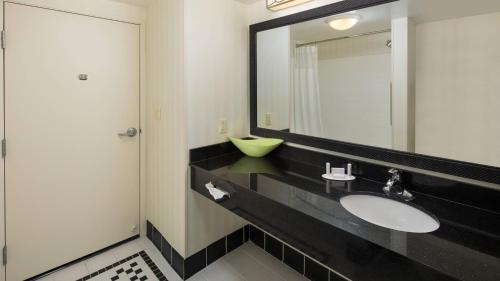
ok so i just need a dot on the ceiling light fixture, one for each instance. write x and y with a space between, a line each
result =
343 22
276 5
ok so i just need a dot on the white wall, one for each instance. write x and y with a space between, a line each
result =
216 36
197 75
352 111
167 153
403 84
273 74
216 57
457 100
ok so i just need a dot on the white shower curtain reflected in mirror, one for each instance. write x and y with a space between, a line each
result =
305 99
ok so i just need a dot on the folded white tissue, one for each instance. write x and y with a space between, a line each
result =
216 193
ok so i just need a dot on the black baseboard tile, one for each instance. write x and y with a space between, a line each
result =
195 263
178 263
149 230
156 238
293 259
257 236
188 267
247 232
315 271
274 247
166 250
234 240
216 250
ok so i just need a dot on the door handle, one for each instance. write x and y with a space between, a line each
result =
131 132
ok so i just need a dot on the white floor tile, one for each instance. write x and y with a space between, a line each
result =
249 268
198 277
221 271
73 272
100 261
126 250
247 263
275 265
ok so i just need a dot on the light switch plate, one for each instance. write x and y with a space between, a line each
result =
223 126
158 114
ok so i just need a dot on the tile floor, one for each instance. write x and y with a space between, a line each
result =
247 263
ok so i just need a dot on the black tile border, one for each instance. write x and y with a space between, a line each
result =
216 250
156 271
469 170
235 239
293 258
289 256
274 247
177 263
188 267
315 271
257 236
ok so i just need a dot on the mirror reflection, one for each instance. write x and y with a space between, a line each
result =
417 76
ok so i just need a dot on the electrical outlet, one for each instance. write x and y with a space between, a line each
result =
268 119
223 126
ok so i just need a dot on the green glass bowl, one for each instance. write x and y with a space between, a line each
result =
256 147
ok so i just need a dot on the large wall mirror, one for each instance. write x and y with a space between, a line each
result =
414 82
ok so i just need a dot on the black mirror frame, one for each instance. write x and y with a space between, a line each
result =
468 170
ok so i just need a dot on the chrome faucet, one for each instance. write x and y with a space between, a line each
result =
393 186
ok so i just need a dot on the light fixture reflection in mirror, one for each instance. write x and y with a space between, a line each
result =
343 22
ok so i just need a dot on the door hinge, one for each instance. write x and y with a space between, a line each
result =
3 39
4 255
4 148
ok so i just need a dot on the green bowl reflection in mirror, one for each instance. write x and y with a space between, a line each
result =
256 147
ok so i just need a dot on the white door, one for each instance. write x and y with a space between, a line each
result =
72 184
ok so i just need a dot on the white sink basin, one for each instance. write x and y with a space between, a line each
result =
389 213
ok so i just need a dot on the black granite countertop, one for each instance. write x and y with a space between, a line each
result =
289 199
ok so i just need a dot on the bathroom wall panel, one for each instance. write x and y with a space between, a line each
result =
457 89
196 76
216 57
166 122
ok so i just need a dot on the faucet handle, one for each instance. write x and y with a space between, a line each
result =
394 171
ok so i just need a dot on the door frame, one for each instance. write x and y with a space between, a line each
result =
108 10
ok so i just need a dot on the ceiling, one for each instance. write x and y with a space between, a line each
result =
144 3
141 3
248 1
